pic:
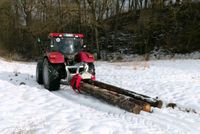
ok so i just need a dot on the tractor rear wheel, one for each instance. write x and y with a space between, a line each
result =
91 68
39 75
51 77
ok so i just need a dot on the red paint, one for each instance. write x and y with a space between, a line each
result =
55 57
75 82
54 35
84 57
93 78
80 35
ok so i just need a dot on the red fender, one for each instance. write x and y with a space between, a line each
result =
84 57
75 82
55 57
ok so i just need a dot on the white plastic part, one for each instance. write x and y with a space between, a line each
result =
68 35
57 39
86 75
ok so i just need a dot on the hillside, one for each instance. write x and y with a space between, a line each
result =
174 28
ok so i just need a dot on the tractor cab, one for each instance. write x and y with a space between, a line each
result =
67 44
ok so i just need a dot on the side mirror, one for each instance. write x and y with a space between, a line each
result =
84 46
39 40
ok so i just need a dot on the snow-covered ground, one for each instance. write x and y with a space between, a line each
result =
29 108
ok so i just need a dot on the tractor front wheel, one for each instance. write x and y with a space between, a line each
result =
51 77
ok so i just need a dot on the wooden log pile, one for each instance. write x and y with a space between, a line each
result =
153 102
124 99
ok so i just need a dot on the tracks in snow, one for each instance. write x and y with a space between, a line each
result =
162 121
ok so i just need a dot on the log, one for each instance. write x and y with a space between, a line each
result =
153 102
114 98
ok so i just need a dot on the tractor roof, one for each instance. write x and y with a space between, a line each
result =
52 35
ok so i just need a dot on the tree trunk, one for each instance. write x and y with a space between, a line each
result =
121 100
140 97
111 98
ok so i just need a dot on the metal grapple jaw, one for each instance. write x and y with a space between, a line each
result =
76 80
79 68
82 73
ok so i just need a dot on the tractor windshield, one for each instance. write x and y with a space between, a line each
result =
68 46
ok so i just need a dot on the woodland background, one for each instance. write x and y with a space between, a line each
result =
128 26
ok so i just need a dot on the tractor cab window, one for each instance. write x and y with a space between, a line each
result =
67 46
54 45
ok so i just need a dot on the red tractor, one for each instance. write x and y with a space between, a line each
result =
63 60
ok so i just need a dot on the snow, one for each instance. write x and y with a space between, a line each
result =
30 108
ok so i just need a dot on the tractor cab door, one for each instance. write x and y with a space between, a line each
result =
54 44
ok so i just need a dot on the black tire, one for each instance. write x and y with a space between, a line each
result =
51 77
39 74
91 68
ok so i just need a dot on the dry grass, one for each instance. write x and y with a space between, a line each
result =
10 56
4 54
24 130
137 65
